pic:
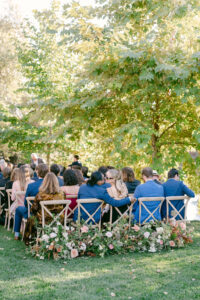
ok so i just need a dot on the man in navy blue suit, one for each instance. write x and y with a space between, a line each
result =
32 190
174 187
148 189
56 170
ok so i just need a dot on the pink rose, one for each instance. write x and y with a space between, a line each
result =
171 243
74 253
161 242
111 246
183 226
136 228
84 229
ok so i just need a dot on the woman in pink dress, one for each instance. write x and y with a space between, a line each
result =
71 186
20 185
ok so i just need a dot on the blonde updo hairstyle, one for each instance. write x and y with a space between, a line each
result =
119 184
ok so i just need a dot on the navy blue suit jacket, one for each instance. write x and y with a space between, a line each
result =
174 187
87 191
32 189
148 189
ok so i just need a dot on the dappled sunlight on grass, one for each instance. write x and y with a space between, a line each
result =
138 276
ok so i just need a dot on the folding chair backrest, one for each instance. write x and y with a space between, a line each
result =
2 190
177 212
143 203
71 211
126 214
9 193
29 204
90 216
44 206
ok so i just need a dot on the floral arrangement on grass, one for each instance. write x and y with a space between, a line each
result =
58 243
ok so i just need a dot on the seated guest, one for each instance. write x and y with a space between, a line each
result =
49 190
148 189
93 189
34 176
128 177
156 177
3 165
32 190
20 185
6 176
85 173
103 170
79 176
56 170
174 187
71 186
117 191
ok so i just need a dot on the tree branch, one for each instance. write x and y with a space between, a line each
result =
170 126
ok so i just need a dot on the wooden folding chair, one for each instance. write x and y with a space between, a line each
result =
125 214
143 202
71 211
2 194
55 218
177 213
90 218
9 215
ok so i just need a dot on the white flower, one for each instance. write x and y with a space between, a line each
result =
83 247
56 239
158 241
69 246
67 228
41 257
152 249
140 243
53 235
109 234
72 228
45 238
146 234
65 235
100 247
159 230
58 223
55 229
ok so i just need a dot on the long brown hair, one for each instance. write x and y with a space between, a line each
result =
23 177
50 184
128 174
15 174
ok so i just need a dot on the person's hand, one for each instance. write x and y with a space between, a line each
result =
132 199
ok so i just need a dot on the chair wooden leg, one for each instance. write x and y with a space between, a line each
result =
6 219
9 217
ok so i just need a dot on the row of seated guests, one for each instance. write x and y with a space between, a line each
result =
114 192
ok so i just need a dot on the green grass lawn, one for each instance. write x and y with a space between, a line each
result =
166 275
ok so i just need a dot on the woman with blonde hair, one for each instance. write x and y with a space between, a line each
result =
49 190
22 179
118 191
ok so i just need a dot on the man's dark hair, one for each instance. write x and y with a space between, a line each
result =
103 170
70 178
76 167
33 166
172 173
148 172
42 170
55 169
95 177
76 157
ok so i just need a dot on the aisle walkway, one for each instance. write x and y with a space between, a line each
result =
192 213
